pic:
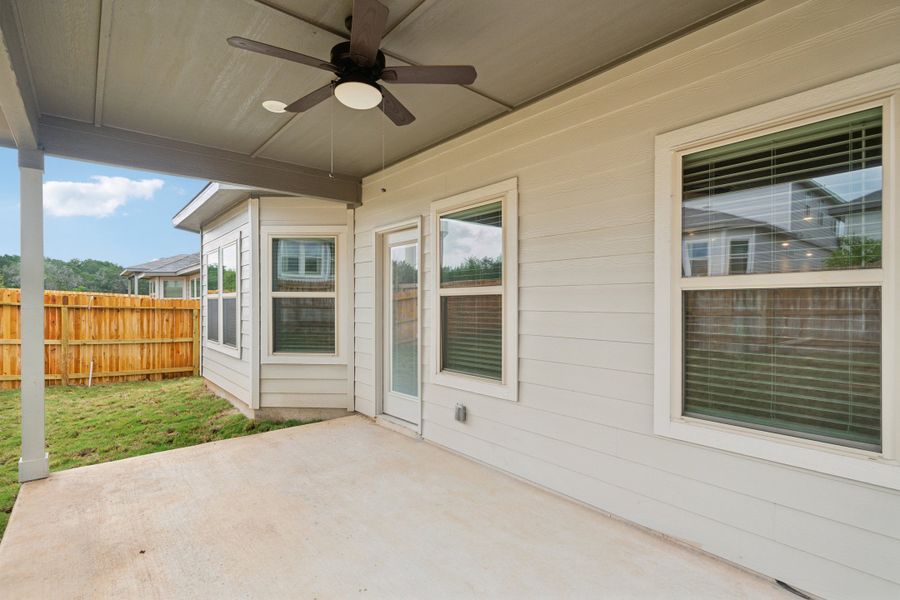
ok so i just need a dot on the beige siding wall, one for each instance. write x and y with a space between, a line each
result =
228 372
583 423
306 385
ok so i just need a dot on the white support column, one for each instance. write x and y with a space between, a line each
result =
34 461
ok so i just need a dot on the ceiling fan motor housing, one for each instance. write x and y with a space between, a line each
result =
349 70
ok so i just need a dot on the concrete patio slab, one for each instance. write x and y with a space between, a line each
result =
338 509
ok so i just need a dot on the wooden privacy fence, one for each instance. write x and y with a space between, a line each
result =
127 338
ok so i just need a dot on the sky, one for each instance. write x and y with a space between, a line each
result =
101 212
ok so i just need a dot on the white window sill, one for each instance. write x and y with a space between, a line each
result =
477 385
223 349
303 359
849 463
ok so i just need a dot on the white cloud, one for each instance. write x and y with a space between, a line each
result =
97 198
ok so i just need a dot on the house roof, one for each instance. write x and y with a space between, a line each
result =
180 264
213 200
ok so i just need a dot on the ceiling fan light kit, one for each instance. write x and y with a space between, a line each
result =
358 94
359 65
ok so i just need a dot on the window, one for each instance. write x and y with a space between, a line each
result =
223 297
304 295
146 287
476 291
195 287
472 291
697 256
779 352
173 288
800 361
229 295
738 257
212 296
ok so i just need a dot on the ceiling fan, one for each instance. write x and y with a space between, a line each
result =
359 65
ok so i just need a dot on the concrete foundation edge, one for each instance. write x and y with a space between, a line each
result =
270 413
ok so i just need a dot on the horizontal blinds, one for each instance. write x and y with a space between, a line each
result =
472 335
804 199
834 145
212 319
229 322
800 361
303 325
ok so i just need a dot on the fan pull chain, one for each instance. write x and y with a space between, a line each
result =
331 106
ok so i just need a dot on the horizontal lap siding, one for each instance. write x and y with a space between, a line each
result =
230 373
304 385
583 422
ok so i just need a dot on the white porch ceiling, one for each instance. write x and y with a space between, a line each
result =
163 68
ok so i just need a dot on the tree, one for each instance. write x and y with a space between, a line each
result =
74 275
486 269
855 252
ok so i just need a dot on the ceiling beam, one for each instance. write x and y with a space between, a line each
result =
106 10
17 97
84 141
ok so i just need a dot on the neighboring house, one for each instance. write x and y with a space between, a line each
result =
172 277
791 227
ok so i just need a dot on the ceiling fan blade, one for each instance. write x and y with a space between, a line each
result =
394 110
459 74
367 27
261 48
311 99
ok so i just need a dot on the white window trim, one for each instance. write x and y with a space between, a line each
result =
219 245
877 88
508 387
342 307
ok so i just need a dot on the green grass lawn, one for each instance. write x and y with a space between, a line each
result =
107 422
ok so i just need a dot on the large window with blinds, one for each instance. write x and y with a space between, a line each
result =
780 282
471 280
475 290
303 295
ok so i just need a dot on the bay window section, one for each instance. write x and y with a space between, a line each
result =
765 345
304 295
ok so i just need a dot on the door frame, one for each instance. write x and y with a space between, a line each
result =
379 236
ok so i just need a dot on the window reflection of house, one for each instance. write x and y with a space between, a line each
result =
305 260
859 218
787 227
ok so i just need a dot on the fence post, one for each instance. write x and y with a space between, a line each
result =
64 340
195 333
